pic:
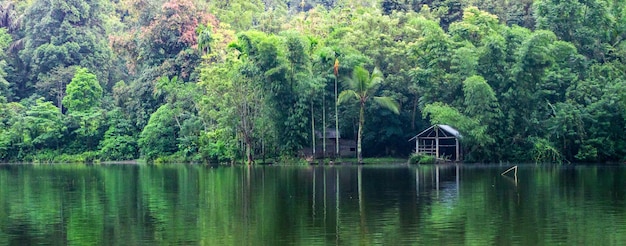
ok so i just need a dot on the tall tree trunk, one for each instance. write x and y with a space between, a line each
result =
415 102
312 131
60 96
360 134
336 122
249 157
247 132
323 125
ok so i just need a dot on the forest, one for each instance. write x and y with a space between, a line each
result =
245 80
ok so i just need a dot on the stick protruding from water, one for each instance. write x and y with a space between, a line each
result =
512 168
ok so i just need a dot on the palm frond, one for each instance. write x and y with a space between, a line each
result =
389 103
349 82
346 95
377 76
360 79
17 45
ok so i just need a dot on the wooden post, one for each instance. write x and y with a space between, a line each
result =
436 141
417 145
457 149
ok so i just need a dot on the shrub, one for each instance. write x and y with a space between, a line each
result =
85 157
119 148
416 158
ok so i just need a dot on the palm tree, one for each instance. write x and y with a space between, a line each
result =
361 85
205 38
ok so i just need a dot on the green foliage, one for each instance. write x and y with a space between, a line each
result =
50 157
240 14
83 92
5 40
361 87
279 68
204 38
475 27
177 157
53 84
43 124
543 152
170 33
587 24
86 128
62 34
119 141
118 148
30 127
216 147
84 117
476 137
266 74
158 138
416 158
12 131
480 100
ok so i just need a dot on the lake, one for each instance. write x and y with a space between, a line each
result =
312 205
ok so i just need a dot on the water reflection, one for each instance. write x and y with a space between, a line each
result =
364 205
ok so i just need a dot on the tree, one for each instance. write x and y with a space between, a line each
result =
280 67
233 105
119 142
83 92
362 86
171 32
482 106
588 24
204 38
27 127
63 34
158 138
168 42
449 11
480 100
474 133
53 84
44 125
82 100
11 135
183 100
432 54
5 40
240 14
389 6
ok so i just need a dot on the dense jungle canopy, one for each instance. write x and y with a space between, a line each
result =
223 81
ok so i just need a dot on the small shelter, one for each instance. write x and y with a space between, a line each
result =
440 141
347 147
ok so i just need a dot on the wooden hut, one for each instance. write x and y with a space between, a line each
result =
441 141
347 147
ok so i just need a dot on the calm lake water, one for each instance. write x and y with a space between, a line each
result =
283 205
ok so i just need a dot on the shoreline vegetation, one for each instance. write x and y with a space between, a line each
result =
411 160
194 81
328 161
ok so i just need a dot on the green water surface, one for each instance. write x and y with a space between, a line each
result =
312 205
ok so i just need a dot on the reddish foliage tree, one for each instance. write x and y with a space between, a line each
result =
168 38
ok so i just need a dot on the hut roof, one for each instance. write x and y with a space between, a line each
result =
330 133
446 129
